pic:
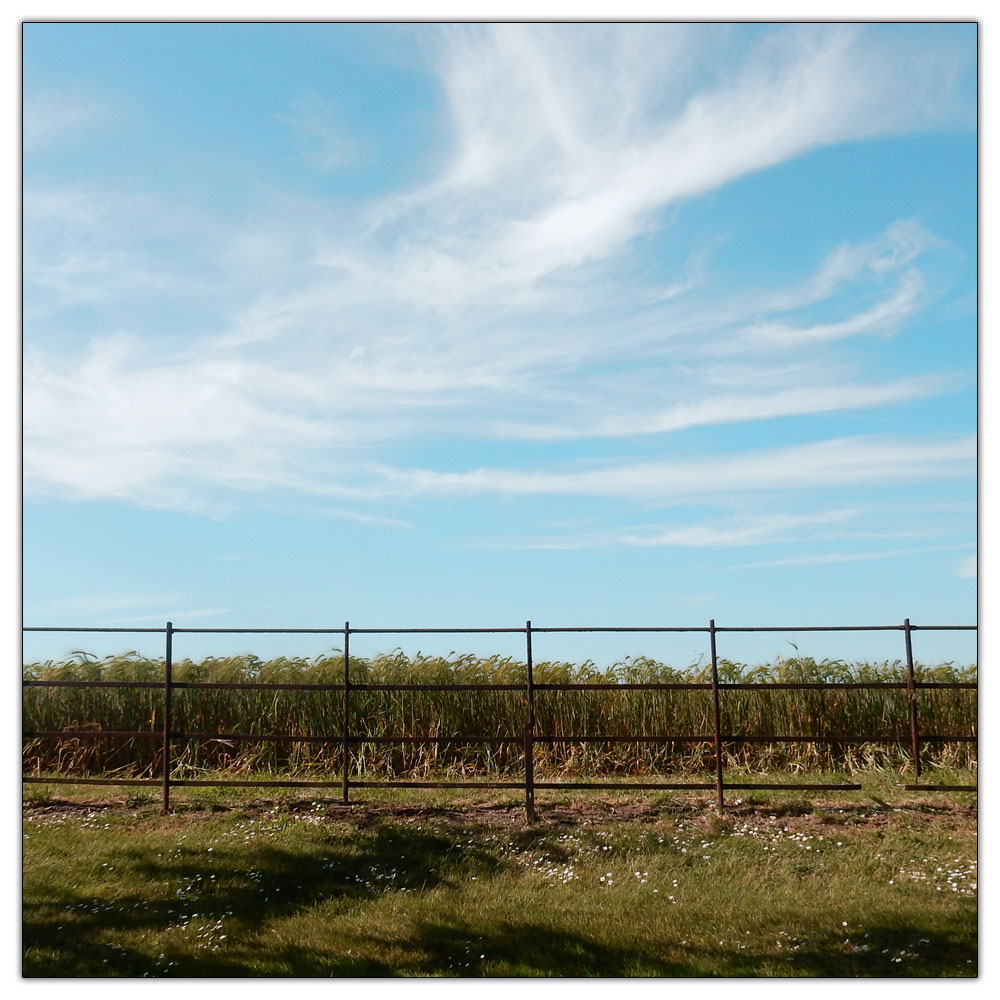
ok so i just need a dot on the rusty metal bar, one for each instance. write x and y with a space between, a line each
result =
843 628
437 784
638 686
536 628
499 740
849 787
262 631
297 738
619 628
845 686
177 735
808 628
437 687
726 738
345 745
96 684
717 718
656 786
944 628
93 734
651 686
252 686
83 628
256 737
435 631
529 732
941 788
911 684
741 686
205 783
846 739
762 628
167 692
94 781
626 738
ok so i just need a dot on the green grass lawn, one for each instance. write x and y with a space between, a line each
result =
445 884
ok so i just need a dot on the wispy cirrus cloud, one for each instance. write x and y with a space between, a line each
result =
500 299
52 116
832 558
743 530
837 462
573 178
749 519
172 613
155 608
968 568
734 409
102 604
131 418
324 144
885 316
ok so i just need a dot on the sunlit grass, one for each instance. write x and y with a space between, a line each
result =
292 886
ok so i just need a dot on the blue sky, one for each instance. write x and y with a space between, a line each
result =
469 324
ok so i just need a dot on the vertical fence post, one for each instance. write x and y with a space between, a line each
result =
168 684
346 713
718 718
911 687
529 735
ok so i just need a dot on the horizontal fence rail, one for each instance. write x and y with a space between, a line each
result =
528 738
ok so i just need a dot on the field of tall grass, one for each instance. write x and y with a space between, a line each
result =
844 712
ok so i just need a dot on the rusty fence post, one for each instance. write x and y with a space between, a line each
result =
168 685
718 718
529 734
346 712
911 688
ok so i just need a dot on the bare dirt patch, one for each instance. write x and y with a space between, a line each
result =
826 819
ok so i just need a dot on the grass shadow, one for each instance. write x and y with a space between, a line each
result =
67 933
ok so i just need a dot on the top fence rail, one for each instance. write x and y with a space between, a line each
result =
352 630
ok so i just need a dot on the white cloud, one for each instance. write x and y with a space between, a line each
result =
731 409
360 518
102 604
569 141
884 316
968 568
173 615
496 301
855 461
87 245
833 558
744 530
159 608
53 116
324 145
134 418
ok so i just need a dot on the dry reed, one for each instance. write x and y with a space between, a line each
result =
761 712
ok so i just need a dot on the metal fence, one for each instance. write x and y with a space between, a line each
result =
528 738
